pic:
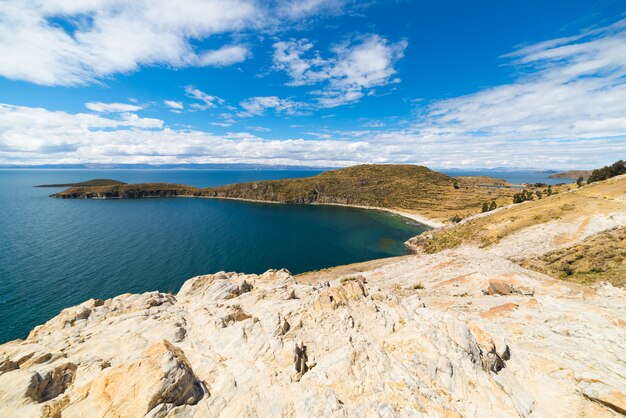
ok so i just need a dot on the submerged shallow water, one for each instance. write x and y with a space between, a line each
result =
56 253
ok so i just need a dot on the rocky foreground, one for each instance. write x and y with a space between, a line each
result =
460 333
465 331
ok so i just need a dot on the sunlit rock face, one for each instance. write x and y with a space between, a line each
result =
458 333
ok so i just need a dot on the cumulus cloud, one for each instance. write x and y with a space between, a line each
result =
227 55
36 135
356 67
207 101
112 107
566 109
55 42
59 42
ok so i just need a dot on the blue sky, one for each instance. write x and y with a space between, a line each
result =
536 84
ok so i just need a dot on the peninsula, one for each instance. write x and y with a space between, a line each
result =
409 189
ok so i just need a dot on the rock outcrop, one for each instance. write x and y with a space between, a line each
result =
464 332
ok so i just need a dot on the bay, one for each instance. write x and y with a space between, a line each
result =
56 253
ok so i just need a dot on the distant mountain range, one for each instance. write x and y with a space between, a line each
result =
498 170
234 166
227 166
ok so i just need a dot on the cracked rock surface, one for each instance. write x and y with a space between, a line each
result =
464 332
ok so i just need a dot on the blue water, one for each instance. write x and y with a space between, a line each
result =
56 253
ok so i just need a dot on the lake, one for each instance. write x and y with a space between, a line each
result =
56 253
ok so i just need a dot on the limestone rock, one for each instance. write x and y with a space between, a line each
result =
371 344
499 288
162 376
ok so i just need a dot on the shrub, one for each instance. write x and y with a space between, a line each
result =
608 171
549 191
522 196
456 219
456 184
579 181
485 207
493 205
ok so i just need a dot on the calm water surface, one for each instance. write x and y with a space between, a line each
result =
56 253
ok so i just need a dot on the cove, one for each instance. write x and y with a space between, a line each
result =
57 253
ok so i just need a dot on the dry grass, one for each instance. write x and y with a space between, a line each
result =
601 257
597 198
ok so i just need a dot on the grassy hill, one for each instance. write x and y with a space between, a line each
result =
409 188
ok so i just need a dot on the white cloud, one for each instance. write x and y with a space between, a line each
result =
566 110
570 89
207 100
109 37
255 106
259 128
35 135
355 69
111 107
172 104
301 8
61 42
374 124
227 55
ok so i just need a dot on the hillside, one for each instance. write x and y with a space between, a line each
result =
551 234
409 188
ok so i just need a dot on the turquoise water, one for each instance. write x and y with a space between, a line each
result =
56 253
